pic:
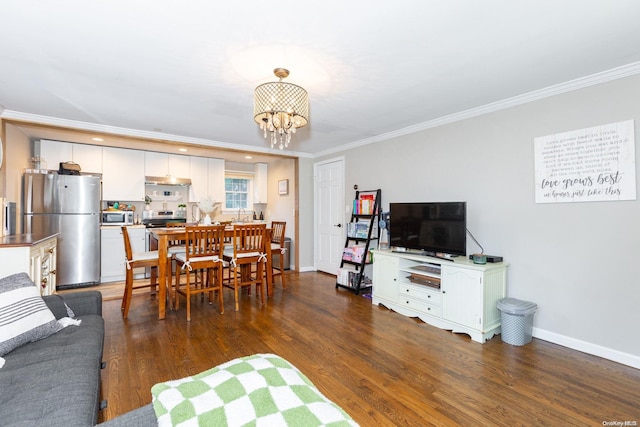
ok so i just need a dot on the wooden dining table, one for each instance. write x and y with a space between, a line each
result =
164 234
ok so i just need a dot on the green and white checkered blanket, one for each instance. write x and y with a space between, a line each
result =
258 390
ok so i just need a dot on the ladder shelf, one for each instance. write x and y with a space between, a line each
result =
363 230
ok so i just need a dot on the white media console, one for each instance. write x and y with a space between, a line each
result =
456 295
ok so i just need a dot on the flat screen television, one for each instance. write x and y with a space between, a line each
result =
437 227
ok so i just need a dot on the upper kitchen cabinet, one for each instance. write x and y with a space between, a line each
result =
207 179
52 153
89 157
163 164
122 174
260 186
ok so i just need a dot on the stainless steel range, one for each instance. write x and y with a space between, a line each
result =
160 220
157 221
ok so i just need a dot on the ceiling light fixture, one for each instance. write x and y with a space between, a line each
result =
280 108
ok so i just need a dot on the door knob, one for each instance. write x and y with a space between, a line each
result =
338 225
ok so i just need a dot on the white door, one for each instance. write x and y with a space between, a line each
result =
330 212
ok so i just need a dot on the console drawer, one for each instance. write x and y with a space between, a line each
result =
420 305
421 293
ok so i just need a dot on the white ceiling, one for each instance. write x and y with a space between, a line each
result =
185 71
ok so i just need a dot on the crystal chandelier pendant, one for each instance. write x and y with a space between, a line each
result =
280 108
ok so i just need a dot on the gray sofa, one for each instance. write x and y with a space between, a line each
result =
56 381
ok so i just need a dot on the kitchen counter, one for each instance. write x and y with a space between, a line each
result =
108 226
20 240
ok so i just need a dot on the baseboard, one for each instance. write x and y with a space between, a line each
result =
306 269
589 348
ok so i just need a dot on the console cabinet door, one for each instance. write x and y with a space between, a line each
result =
385 273
462 296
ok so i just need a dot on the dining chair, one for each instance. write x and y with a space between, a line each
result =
175 246
278 250
246 250
202 257
135 260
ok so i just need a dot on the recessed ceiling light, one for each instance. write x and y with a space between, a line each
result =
248 157
98 139
184 150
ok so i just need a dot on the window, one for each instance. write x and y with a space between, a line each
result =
237 191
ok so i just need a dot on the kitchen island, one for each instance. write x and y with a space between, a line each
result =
34 254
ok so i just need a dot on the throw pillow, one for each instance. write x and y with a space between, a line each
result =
24 316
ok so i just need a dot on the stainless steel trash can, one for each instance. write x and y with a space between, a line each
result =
517 320
286 257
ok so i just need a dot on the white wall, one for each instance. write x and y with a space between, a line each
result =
282 207
305 215
577 261
17 158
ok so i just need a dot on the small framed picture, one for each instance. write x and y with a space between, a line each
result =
283 187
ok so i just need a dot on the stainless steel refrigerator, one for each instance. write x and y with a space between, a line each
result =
68 205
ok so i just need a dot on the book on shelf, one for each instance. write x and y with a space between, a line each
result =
355 253
364 205
350 278
358 230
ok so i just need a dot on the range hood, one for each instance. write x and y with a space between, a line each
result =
167 180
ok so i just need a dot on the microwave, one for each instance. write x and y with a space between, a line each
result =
117 218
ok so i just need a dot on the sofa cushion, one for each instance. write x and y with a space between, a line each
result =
24 316
141 417
58 306
54 381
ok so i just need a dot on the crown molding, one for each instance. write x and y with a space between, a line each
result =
134 133
579 83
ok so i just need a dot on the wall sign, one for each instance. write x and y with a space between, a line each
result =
586 165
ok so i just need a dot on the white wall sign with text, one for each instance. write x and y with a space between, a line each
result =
587 165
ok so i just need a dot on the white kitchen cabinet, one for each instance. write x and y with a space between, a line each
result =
260 183
156 164
112 261
455 295
207 179
122 174
199 179
89 157
52 153
215 178
20 254
179 166
163 164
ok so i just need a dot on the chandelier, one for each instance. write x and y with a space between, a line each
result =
280 108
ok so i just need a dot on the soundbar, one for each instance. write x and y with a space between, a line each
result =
490 258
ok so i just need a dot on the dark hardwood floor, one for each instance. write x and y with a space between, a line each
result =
380 367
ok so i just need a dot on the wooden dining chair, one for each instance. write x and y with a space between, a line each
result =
202 259
175 246
247 250
278 250
135 260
